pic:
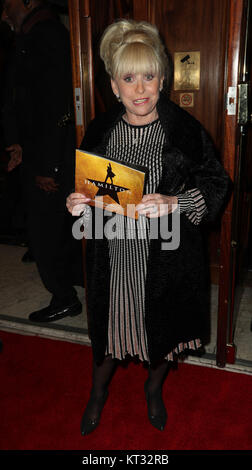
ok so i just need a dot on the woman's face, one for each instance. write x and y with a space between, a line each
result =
139 93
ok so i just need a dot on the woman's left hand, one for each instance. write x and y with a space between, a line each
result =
157 205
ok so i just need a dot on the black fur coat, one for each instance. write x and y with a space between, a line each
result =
176 303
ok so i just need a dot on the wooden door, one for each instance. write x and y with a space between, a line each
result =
214 29
199 26
238 160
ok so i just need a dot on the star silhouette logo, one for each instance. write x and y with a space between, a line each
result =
110 189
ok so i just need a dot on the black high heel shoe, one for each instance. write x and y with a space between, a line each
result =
89 425
159 420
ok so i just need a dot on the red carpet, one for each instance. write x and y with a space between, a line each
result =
45 385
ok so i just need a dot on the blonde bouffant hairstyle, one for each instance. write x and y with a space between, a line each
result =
129 46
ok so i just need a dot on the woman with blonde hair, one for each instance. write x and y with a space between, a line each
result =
145 301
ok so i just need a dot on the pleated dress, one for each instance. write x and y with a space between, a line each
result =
129 251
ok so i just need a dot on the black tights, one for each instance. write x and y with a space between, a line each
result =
154 383
102 375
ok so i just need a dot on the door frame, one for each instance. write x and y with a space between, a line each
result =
82 65
231 161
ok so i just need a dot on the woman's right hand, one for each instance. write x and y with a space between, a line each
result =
76 203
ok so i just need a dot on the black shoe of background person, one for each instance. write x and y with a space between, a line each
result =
52 313
28 257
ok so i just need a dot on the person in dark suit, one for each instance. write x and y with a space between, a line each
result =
40 135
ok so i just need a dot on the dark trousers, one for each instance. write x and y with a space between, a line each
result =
12 204
57 254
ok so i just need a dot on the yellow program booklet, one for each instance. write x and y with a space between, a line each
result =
111 184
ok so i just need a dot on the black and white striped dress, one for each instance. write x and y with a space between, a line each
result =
128 255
